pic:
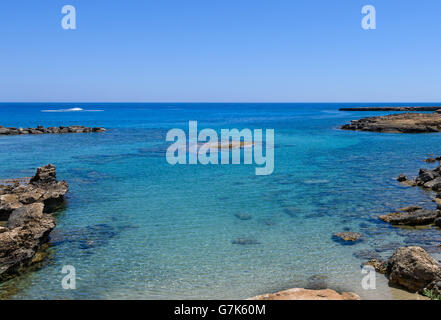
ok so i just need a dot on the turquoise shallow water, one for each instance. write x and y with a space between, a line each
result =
135 227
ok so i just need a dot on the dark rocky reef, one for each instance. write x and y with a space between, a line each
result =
25 218
53 130
398 123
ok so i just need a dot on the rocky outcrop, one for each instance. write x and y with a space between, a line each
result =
24 212
398 123
415 215
411 217
43 187
42 130
413 268
305 294
26 230
431 108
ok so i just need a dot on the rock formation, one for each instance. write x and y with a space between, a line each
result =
348 236
305 294
41 130
411 217
413 268
398 123
25 219
430 108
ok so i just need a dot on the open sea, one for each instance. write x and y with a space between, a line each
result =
136 227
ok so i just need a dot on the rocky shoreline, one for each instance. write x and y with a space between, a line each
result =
49 130
426 108
398 123
412 268
26 219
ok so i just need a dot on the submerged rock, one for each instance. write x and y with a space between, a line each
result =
305 294
86 238
243 216
379 265
317 282
245 241
348 236
367 254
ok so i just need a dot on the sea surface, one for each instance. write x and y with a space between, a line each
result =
136 227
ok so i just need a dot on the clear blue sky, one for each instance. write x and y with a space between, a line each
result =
220 50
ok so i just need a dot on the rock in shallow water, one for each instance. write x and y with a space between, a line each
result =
367 254
379 265
243 216
245 241
411 218
348 236
413 268
305 294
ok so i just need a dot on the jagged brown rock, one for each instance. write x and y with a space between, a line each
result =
24 208
43 187
27 229
413 268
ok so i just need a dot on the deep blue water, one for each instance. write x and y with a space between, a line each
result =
136 227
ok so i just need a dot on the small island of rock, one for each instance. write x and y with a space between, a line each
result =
42 130
398 123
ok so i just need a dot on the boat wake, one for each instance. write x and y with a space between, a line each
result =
71 110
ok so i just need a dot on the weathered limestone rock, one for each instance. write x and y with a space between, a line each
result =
43 187
305 294
413 268
27 228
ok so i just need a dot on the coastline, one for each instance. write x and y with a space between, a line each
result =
263 242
